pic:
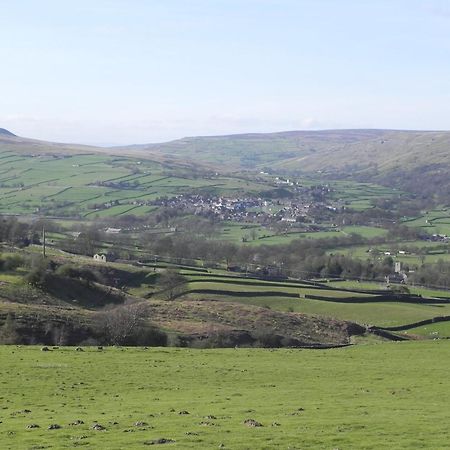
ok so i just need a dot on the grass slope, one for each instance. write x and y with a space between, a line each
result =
313 150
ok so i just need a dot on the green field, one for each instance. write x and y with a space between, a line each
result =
361 397
436 221
78 185
423 251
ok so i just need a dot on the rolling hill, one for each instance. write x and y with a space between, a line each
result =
327 150
308 151
414 161
417 161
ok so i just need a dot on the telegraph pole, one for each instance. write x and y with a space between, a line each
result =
43 242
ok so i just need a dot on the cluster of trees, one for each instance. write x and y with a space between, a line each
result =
433 274
18 233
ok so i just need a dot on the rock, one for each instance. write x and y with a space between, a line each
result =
276 424
76 422
32 425
159 441
211 417
206 423
54 426
79 349
183 413
252 423
98 427
140 424
99 347
45 349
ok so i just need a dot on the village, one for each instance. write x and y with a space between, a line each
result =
288 202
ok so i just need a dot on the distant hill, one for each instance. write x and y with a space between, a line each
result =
327 150
414 160
307 151
12 142
4 132
418 161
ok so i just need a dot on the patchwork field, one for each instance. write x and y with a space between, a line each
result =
76 185
434 222
116 398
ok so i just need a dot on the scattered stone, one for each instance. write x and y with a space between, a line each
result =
45 349
191 433
32 425
252 423
276 424
159 441
54 426
76 422
79 438
183 413
221 445
211 417
205 423
98 427
55 348
297 412
79 349
140 424
99 347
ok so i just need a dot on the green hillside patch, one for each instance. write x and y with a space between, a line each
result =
383 314
439 330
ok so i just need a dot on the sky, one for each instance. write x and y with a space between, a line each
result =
113 72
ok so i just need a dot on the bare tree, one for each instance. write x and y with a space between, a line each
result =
171 284
121 323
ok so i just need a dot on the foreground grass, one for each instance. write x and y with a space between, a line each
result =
359 397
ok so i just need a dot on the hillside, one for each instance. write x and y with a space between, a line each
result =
328 150
416 161
4 132
308 151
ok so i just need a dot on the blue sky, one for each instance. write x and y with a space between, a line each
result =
136 71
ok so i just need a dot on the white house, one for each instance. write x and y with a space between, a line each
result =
100 257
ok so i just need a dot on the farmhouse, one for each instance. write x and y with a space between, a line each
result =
397 278
113 230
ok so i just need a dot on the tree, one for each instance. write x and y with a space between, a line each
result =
8 332
37 276
83 273
171 284
120 324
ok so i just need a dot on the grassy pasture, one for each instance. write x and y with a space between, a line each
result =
436 221
431 331
383 314
432 252
360 397
359 196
